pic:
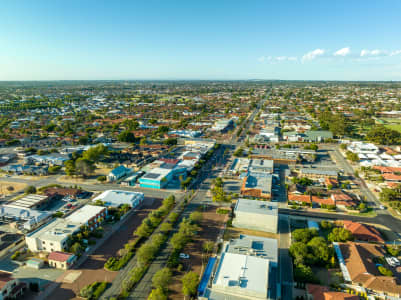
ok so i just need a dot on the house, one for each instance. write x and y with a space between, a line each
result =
344 201
118 173
300 199
318 292
358 265
61 260
10 287
116 198
256 215
363 232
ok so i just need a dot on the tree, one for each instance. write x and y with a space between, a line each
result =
208 247
299 252
190 283
162 278
30 190
166 227
70 167
384 136
304 235
157 294
95 153
76 248
195 217
352 156
126 136
84 167
320 249
144 230
340 234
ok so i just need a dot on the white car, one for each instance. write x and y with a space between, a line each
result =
184 256
382 207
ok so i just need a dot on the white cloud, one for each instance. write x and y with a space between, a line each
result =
275 59
312 54
375 52
342 52
396 52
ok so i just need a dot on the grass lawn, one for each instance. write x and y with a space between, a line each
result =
368 214
396 127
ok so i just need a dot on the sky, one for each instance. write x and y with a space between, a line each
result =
208 39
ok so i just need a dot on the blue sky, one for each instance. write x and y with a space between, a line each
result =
305 40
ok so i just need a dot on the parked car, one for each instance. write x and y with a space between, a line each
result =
382 207
184 256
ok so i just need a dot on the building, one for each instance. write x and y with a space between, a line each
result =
318 292
243 276
315 173
10 287
116 198
261 165
317 135
363 148
358 265
246 269
362 232
222 125
257 184
118 173
52 236
61 260
30 218
88 215
256 215
156 178
32 201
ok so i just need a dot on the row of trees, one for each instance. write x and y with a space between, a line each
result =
146 228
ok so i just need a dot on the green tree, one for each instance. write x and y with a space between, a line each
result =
84 167
340 234
30 189
190 283
157 294
162 278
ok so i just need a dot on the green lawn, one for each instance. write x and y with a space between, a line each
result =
396 127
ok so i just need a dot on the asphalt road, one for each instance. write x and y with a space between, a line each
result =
90 187
386 220
285 262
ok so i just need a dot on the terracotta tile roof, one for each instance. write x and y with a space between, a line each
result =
387 169
331 181
299 198
363 232
4 278
59 256
392 177
358 258
326 201
319 292
340 197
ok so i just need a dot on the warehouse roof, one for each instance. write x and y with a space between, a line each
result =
257 207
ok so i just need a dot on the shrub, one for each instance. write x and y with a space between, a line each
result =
15 255
93 291
223 211
385 272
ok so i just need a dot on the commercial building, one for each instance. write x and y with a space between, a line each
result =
88 215
31 201
156 178
246 269
256 215
30 218
315 173
52 236
116 198
363 148
257 184
222 125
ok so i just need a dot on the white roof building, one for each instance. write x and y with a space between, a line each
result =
116 198
242 275
86 214
365 148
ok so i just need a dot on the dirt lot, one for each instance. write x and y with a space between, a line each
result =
16 187
92 269
211 226
233 233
